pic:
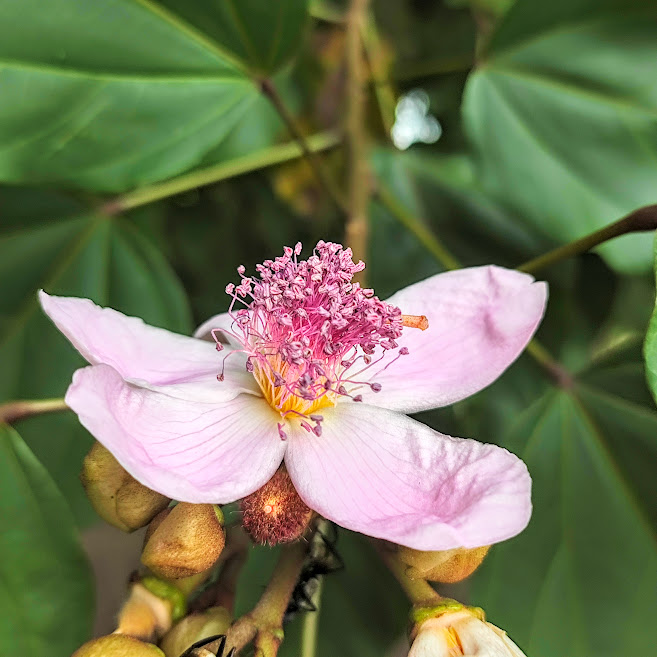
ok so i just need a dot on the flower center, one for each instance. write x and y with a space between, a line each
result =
310 332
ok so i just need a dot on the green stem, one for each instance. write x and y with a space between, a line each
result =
643 219
311 624
236 167
376 56
265 621
554 369
269 90
419 591
17 410
356 229
326 11
418 228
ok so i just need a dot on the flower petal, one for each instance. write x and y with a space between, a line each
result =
142 352
480 320
383 474
481 638
189 451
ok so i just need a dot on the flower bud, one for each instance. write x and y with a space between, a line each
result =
117 645
275 513
118 498
446 566
195 627
187 540
459 633
148 612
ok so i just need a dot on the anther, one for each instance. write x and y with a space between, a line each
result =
376 387
415 321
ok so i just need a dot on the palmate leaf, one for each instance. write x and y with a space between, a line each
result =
562 111
582 579
46 594
120 93
80 254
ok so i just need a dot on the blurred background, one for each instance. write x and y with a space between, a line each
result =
142 159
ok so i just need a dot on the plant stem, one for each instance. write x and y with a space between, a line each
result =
418 228
17 410
269 90
252 162
419 591
439 66
265 621
311 624
560 375
643 219
356 230
380 72
325 11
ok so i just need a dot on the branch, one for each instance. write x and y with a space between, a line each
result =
643 219
359 177
18 410
241 165
269 90
265 621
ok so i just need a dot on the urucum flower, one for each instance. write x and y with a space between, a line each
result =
462 634
310 369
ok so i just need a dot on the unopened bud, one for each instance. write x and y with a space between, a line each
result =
117 497
117 645
446 566
187 540
460 632
195 627
275 513
147 614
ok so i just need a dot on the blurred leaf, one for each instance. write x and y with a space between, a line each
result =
46 595
563 132
650 346
119 94
441 196
582 579
107 260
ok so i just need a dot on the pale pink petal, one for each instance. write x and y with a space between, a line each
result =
189 451
142 352
383 474
223 322
480 320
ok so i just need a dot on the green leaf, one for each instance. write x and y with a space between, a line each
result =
581 580
46 595
107 260
441 199
120 95
563 114
262 34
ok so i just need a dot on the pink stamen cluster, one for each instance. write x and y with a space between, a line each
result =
306 327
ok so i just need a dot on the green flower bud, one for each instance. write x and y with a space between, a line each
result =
193 628
446 566
117 645
187 540
118 498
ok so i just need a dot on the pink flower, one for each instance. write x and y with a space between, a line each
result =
318 372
